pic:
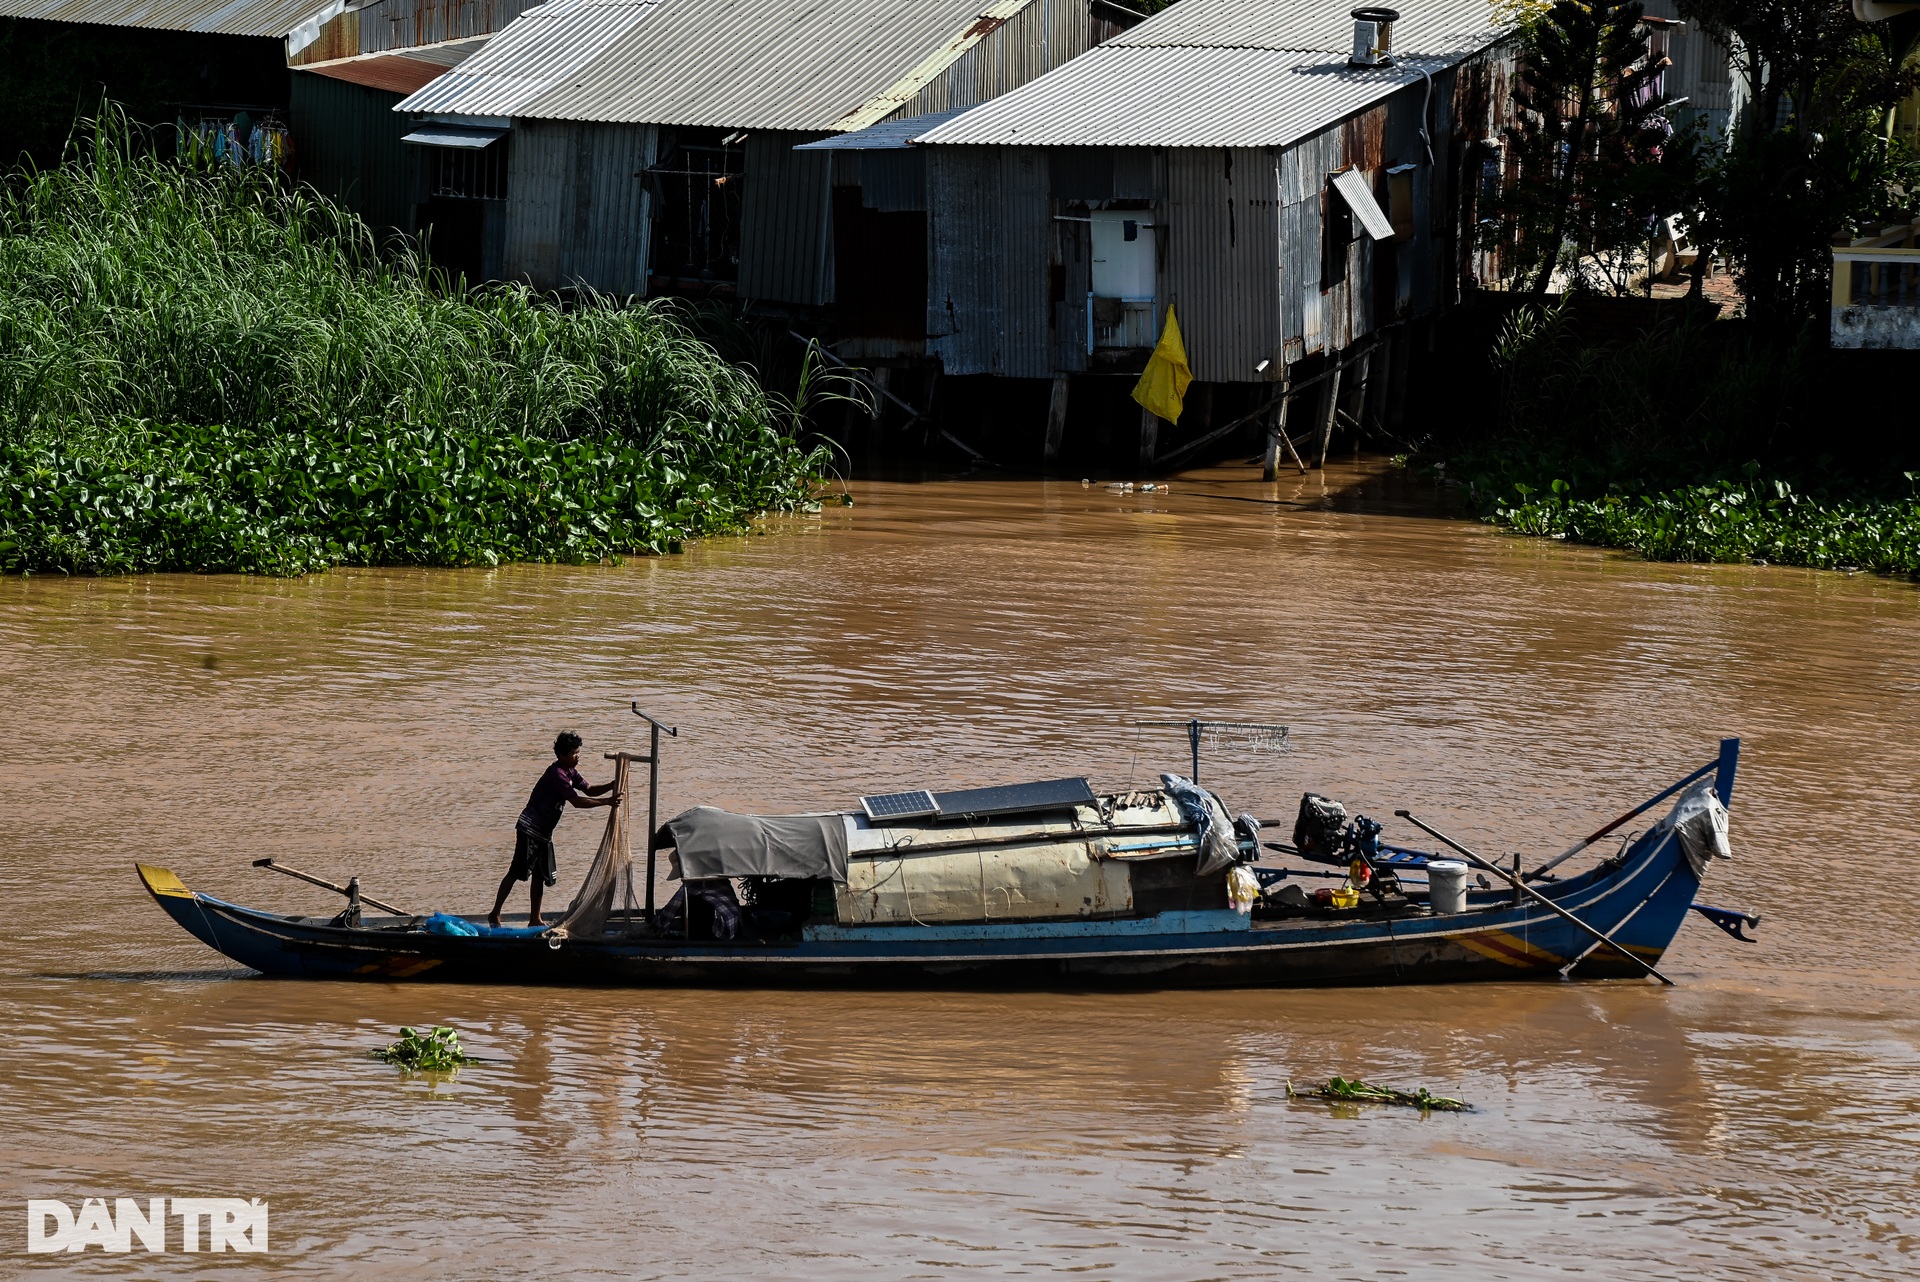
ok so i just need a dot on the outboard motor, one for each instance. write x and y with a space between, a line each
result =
1320 831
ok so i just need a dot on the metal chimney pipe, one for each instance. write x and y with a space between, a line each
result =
1373 37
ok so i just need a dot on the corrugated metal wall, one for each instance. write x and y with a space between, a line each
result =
1034 41
991 234
1221 269
1242 250
576 205
786 253
347 144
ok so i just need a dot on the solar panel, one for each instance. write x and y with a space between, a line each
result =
1017 798
901 805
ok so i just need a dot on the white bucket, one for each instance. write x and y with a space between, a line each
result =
1447 885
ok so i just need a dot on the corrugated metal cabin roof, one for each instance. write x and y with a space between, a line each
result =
214 17
1222 73
743 64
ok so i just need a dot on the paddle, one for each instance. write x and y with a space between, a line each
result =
271 866
1522 887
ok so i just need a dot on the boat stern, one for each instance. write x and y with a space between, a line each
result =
178 902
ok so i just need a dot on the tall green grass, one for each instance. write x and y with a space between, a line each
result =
204 368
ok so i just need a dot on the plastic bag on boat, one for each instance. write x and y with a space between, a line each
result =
1242 888
448 924
1203 810
1700 821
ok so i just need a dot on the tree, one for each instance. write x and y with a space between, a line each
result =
1809 156
1589 150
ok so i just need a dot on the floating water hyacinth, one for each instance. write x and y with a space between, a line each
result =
1353 1090
436 1051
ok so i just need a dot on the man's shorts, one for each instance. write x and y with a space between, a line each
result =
533 853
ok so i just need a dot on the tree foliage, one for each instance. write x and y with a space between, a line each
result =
1809 158
1592 158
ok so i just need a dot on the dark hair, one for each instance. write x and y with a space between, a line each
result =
564 742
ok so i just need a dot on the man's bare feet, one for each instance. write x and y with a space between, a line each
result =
494 920
535 921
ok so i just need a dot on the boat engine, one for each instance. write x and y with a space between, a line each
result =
1321 828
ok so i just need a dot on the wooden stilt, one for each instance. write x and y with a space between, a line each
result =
881 377
1329 406
1149 436
1396 410
1277 430
1056 419
1362 396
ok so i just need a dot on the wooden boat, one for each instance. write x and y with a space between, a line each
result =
1150 918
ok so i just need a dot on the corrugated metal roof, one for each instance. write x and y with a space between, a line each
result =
217 17
890 135
743 64
400 71
1424 26
1222 73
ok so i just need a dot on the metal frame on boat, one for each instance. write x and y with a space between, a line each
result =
1164 925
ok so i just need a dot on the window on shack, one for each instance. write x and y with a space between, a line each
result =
1336 234
697 185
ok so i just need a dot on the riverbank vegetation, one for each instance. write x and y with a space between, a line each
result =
205 368
1690 442
1696 439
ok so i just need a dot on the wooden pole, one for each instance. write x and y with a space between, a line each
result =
1149 436
351 890
1056 419
1330 405
653 807
881 377
1522 888
1277 428
1362 396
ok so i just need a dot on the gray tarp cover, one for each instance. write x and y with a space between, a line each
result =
716 843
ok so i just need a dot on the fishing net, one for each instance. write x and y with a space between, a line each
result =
609 884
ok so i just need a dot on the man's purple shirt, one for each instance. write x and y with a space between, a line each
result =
549 799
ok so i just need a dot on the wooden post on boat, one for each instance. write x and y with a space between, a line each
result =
1520 887
653 797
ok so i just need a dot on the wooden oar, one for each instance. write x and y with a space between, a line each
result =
1525 889
365 898
1638 810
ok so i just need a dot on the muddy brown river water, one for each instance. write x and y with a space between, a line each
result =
1762 1119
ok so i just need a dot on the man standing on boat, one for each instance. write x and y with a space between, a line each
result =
533 859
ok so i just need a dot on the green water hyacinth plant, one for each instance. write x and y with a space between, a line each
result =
435 1051
1729 521
1353 1090
211 369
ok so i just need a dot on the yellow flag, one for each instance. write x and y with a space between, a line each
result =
1163 386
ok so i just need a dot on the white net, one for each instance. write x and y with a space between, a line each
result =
607 891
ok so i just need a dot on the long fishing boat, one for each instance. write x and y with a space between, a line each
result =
1039 885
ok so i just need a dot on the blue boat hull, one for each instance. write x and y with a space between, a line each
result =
1640 897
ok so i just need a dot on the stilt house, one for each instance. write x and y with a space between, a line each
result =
647 146
1295 179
